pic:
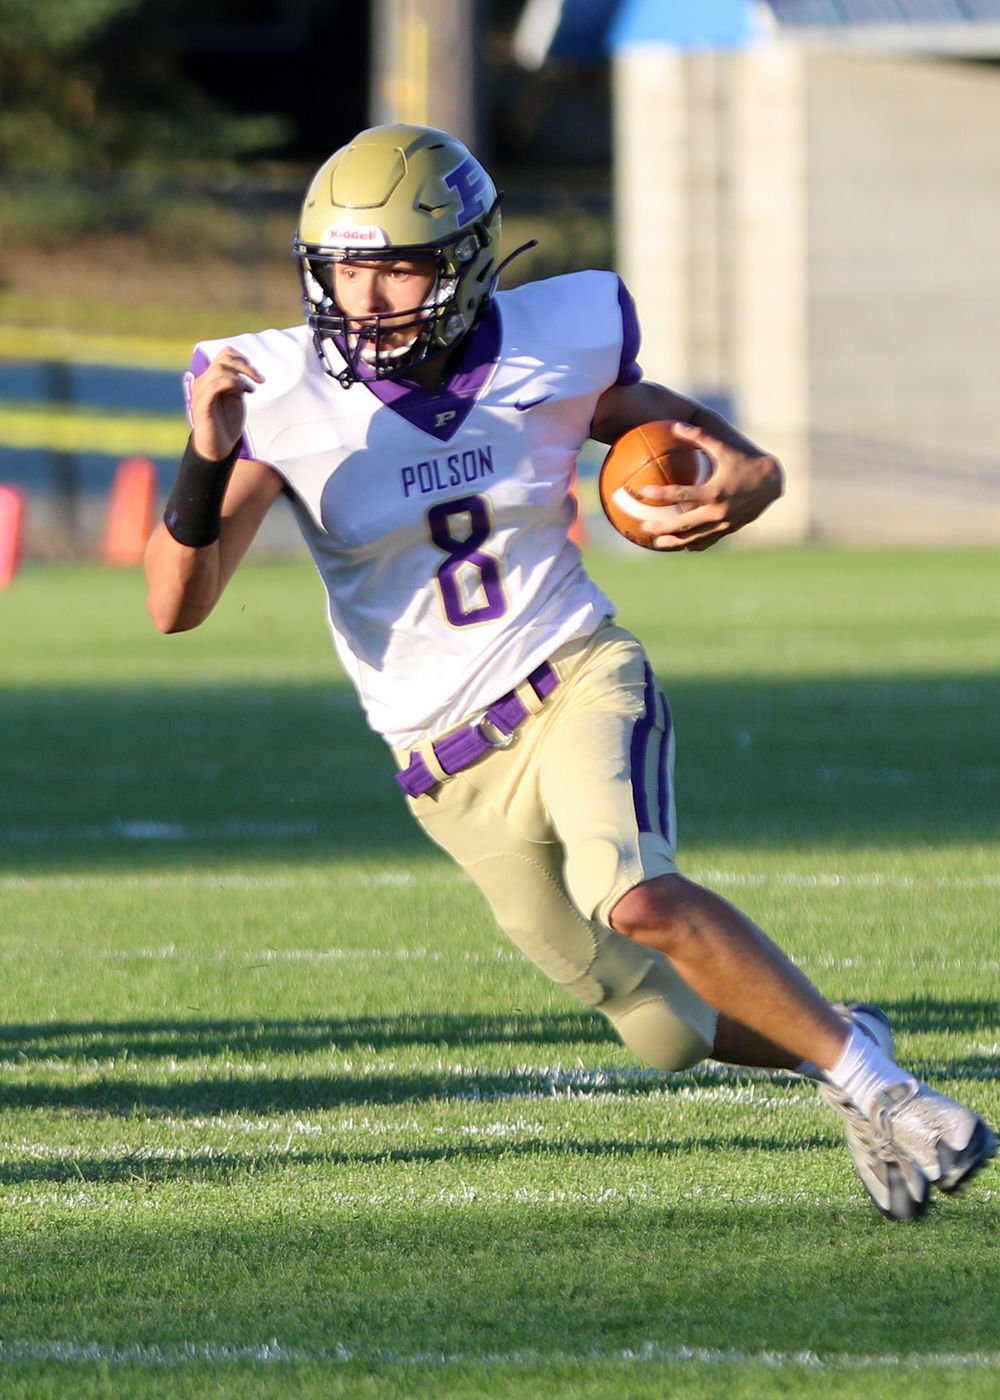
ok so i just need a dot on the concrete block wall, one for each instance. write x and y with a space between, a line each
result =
815 234
653 229
903 217
767 315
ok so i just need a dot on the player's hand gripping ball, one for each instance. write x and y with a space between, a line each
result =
649 455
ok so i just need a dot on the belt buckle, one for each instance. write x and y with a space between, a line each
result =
503 741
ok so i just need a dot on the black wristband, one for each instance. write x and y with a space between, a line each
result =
193 513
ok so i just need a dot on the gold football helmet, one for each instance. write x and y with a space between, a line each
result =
399 191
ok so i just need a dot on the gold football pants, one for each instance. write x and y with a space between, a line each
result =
558 824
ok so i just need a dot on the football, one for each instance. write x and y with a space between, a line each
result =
649 455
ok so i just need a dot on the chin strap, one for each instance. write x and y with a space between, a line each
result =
524 248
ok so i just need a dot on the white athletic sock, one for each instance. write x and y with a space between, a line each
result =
864 1071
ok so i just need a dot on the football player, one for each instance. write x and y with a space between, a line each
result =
425 427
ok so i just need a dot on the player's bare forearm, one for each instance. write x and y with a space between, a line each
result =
182 583
745 480
625 406
723 431
185 583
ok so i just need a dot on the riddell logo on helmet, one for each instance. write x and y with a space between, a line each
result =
368 235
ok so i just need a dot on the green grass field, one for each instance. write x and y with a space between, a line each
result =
283 1115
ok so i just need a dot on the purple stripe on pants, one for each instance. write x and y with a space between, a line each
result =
656 708
664 772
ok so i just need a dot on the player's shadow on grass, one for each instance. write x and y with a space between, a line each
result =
146 1168
104 777
268 1094
354 1083
178 1040
188 1038
927 1015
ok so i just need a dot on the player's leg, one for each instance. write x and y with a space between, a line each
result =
733 965
474 819
591 775
616 817
899 1132
607 781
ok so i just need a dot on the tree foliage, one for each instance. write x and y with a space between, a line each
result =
101 86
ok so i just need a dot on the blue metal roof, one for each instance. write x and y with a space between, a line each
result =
714 24
837 13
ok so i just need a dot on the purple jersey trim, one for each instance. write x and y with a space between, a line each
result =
443 412
628 371
200 362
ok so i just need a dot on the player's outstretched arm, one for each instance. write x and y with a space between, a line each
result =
217 504
744 480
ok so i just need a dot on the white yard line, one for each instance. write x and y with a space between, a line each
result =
439 875
275 1353
445 875
233 881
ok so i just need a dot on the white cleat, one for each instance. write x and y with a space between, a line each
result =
894 1179
948 1141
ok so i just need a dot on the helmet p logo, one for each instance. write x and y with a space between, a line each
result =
471 184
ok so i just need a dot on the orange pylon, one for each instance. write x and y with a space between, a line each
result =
13 509
131 510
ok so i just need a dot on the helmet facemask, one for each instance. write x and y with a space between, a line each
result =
437 324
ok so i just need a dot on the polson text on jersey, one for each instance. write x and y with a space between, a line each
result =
442 473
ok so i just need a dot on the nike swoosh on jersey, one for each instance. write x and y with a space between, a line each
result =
522 404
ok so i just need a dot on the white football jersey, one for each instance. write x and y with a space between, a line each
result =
440 522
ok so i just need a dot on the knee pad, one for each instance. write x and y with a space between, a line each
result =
653 1011
653 1027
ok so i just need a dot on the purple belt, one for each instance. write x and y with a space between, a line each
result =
456 751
